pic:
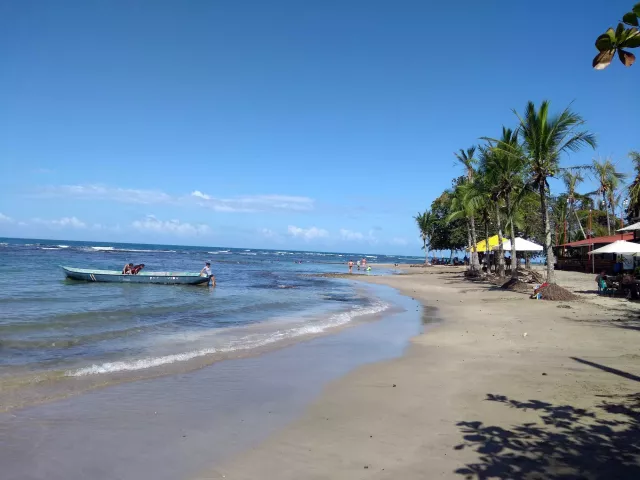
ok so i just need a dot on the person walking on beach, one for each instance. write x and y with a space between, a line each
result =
350 266
206 272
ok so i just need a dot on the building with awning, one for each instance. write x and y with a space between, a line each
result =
575 255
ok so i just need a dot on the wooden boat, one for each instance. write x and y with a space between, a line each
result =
114 276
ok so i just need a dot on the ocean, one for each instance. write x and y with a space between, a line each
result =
54 330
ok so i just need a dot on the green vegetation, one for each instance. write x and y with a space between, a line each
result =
505 190
615 41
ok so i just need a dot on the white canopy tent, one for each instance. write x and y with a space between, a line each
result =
619 246
522 245
630 228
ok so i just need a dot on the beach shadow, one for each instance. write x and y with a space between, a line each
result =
566 443
614 371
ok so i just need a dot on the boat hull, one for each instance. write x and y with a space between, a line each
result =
160 278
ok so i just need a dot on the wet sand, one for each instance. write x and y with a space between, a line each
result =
505 387
181 424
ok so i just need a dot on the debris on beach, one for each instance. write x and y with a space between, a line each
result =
516 285
557 293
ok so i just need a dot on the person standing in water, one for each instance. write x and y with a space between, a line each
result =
206 272
350 266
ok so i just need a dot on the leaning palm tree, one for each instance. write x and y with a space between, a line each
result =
504 167
608 179
571 180
426 223
467 159
544 139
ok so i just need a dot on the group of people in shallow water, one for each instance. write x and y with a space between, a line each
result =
131 269
361 264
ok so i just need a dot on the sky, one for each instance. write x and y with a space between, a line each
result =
283 124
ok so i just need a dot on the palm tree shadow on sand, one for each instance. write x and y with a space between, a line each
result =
569 443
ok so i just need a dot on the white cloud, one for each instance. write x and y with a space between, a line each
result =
398 241
5 219
99 192
307 233
253 203
175 227
267 233
64 222
349 235
250 203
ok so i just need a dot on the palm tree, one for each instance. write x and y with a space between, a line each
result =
634 189
425 222
608 180
468 161
504 167
571 180
544 139
463 205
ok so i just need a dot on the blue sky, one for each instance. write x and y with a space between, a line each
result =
284 124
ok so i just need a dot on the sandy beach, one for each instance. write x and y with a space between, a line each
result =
503 387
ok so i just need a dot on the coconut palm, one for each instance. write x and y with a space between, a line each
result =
467 159
464 205
608 179
544 139
425 222
571 180
504 167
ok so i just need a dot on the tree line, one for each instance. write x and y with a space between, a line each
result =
504 188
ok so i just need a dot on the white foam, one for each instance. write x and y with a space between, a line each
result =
102 249
62 246
244 343
217 252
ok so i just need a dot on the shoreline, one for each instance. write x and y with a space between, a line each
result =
39 387
176 426
459 401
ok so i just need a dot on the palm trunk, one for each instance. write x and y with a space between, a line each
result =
512 232
575 213
500 264
486 244
613 215
551 278
474 254
471 266
426 252
606 210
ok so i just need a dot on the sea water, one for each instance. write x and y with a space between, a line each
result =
53 329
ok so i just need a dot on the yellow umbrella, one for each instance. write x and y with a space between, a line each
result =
493 242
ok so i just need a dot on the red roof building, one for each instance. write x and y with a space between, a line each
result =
607 239
575 256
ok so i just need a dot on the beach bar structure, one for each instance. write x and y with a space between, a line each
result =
575 256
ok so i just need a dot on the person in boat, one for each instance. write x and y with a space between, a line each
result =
135 270
127 269
206 272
